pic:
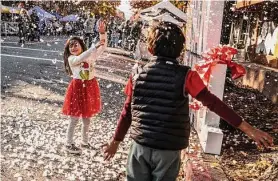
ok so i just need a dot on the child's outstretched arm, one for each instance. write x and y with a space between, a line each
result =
195 87
83 57
122 127
94 51
214 104
102 44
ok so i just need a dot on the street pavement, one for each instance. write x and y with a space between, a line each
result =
32 127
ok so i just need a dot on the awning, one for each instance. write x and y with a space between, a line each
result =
165 5
58 16
72 18
42 14
163 17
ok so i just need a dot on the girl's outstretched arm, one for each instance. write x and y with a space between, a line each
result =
83 57
94 51
102 44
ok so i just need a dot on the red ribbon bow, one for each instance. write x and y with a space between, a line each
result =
217 55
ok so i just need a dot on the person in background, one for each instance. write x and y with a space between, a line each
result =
115 37
135 33
56 27
34 26
157 110
68 28
97 19
23 25
34 18
89 26
49 27
126 32
110 28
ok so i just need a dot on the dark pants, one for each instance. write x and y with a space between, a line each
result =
147 164
22 32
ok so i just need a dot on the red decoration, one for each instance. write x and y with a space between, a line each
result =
85 65
217 55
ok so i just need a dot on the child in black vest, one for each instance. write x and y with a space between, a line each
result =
157 109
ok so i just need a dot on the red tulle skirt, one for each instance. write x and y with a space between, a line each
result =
82 98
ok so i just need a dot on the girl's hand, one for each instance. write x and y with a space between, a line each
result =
110 149
101 27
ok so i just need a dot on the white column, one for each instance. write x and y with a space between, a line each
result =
208 122
207 36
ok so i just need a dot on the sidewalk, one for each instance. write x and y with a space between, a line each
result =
198 166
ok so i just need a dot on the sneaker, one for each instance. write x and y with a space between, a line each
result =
86 146
73 149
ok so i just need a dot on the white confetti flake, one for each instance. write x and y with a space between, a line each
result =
31 149
17 175
8 147
70 177
46 173
40 162
54 61
26 166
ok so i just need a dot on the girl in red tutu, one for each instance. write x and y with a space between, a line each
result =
82 98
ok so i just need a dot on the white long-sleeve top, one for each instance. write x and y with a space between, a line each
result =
83 65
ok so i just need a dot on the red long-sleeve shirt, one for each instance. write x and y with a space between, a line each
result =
195 87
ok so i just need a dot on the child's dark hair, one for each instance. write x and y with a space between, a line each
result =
67 52
166 39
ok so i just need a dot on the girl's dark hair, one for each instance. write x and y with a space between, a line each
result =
166 39
67 52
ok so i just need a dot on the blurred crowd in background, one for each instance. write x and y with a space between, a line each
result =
34 21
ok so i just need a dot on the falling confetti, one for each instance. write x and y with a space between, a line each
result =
54 61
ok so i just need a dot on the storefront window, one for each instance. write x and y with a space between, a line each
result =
243 34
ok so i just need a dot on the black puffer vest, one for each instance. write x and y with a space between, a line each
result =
160 110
